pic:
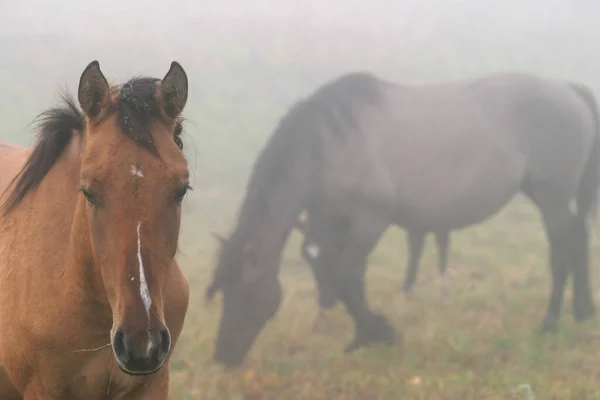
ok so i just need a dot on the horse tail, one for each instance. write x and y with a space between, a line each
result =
587 196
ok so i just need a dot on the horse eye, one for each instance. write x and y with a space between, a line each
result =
88 197
180 195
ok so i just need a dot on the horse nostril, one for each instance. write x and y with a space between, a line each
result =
165 344
120 346
142 351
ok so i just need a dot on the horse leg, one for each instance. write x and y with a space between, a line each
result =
318 251
558 221
416 241
587 196
443 242
583 305
349 273
326 294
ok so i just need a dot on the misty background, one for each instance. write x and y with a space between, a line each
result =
247 62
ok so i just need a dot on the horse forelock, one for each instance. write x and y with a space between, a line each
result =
136 107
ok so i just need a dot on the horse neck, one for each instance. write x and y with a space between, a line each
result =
268 227
55 210
82 263
279 188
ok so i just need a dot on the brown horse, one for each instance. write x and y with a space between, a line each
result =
92 301
12 158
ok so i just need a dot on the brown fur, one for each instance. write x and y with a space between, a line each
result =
68 275
11 159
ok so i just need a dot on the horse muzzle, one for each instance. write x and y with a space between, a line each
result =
142 352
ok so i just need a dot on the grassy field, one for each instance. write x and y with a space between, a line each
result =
476 342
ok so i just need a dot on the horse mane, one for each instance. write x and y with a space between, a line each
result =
135 106
298 132
333 105
338 101
294 150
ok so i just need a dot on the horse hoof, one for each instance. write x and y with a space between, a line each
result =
353 346
550 325
358 343
583 313
387 335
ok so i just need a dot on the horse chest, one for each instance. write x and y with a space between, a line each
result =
91 376
64 361
99 378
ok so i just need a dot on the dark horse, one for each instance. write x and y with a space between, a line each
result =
311 251
362 153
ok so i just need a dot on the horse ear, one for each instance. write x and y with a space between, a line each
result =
173 91
93 92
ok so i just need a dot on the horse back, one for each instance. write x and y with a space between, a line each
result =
455 153
550 121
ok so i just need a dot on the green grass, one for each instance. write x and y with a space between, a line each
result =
477 342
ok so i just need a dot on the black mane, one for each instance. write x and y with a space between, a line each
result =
135 107
333 106
338 101
293 155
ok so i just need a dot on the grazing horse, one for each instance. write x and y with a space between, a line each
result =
362 153
311 251
92 301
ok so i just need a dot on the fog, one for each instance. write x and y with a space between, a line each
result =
248 61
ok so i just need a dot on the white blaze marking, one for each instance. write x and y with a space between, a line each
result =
144 292
135 171
313 250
